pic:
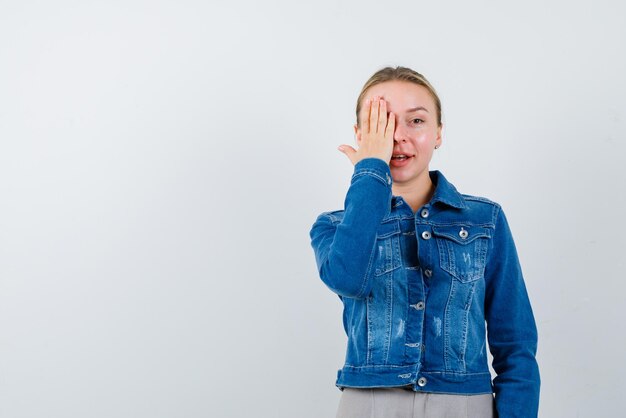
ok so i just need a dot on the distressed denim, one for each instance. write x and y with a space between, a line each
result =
422 292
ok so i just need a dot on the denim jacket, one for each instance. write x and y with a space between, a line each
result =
422 291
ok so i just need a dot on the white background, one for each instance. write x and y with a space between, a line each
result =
161 163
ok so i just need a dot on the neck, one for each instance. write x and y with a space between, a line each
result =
416 193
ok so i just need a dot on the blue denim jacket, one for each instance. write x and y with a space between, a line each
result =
422 290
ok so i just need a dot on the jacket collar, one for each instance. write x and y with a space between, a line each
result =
445 192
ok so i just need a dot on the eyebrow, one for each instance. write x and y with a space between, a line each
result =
415 109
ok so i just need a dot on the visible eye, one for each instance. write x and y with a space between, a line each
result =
416 121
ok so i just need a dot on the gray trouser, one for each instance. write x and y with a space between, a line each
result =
403 403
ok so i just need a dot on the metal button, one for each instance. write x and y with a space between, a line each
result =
421 382
426 235
428 273
424 213
419 305
463 233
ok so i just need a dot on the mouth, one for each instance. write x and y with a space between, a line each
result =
401 157
400 160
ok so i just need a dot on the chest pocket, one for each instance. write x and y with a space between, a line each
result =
387 247
463 250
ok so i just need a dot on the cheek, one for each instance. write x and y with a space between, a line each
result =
424 139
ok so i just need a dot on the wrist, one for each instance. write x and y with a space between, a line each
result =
374 166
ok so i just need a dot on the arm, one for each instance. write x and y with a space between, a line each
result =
344 250
512 332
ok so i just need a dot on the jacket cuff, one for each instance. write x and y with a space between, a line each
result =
374 167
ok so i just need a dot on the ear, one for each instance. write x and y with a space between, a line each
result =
439 136
357 133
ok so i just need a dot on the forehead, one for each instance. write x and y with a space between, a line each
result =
402 95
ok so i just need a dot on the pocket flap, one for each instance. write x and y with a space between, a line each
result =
462 234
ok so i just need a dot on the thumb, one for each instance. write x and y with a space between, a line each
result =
349 151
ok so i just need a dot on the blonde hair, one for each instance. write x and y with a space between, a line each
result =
398 74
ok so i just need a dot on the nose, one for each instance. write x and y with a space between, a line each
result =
399 135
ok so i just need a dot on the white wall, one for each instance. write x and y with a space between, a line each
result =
161 164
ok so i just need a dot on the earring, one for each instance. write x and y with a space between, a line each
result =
436 146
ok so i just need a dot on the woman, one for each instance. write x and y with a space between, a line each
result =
423 272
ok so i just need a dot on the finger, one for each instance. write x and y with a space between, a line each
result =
349 152
374 116
382 116
391 126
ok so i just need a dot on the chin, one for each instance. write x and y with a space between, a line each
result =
404 174
399 176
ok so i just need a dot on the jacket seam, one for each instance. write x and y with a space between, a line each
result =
367 172
361 292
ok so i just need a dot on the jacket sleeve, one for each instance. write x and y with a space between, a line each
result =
512 333
344 250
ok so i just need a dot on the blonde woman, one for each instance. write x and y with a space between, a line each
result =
427 275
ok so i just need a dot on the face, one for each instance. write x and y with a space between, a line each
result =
416 133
